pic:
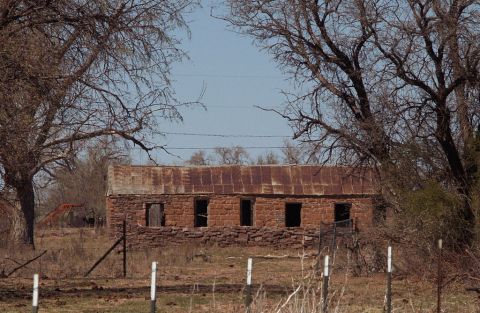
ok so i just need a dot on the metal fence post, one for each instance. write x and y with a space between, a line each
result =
248 287
124 248
103 256
389 280
319 249
35 294
325 286
334 240
319 238
439 276
153 288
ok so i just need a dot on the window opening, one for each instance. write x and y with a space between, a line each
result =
201 213
155 214
342 214
246 213
293 217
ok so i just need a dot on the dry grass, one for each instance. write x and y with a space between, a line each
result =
283 285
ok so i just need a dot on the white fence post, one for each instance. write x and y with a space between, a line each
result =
389 279
248 288
325 285
439 276
153 288
35 294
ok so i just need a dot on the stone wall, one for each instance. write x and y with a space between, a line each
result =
224 218
225 210
141 236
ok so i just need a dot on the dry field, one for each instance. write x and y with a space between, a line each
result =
202 279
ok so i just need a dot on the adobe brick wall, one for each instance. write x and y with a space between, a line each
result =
224 219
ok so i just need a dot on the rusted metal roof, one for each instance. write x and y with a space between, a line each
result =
54 216
308 180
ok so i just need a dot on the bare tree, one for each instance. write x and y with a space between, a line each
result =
291 153
231 155
199 158
84 180
71 71
268 157
10 218
394 84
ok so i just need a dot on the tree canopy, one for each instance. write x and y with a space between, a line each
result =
71 71
390 84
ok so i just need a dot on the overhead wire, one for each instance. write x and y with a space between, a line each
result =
213 148
258 107
166 147
234 76
223 135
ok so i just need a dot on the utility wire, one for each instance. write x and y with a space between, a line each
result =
235 76
208 148
207 106
223 135
213 148
249 107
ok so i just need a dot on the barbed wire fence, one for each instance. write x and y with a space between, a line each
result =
197 272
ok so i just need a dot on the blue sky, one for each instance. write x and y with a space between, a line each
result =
237 76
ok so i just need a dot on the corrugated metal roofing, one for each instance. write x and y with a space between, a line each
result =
308 180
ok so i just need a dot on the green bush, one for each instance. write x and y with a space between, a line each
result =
429 213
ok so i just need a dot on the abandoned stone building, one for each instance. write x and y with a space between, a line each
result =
250 205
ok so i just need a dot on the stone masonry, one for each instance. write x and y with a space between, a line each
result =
269 188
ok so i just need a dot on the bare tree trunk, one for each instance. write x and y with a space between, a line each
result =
24 230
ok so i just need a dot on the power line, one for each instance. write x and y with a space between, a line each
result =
209 148
213 148
248 107
235 76
223 135
257 107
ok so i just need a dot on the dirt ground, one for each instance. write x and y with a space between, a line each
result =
204 279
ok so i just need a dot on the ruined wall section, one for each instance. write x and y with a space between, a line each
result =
224 218
138 236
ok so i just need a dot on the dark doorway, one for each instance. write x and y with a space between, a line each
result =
342 213
293 216
155 214
246 213
201 213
